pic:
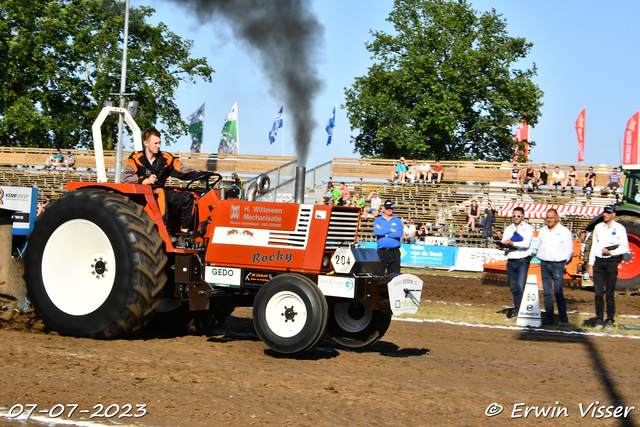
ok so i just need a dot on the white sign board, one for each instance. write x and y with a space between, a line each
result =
405 291
332 286
223 276
435 241
472 259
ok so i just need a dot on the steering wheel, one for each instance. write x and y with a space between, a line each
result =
205 177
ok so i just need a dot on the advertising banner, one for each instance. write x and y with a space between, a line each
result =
580 133
23 200
471 259
630 148
432 256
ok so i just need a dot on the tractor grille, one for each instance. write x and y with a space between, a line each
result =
343 227
297 238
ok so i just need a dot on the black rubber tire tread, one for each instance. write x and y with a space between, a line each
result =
632 224
367 336
140 264
316 307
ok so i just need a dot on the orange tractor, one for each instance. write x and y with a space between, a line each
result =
100 263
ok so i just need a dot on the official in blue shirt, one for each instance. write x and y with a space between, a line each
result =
388 228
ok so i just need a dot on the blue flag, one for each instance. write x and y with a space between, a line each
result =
277 124
331 125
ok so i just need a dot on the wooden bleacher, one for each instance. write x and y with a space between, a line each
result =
244 164
454 171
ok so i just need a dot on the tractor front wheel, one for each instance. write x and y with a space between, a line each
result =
95 265
290 313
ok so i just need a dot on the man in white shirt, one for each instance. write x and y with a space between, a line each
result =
555 250
516 242
409 232
609 243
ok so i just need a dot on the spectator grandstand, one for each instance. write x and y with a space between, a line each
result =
443 207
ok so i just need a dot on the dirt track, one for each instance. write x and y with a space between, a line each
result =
420 373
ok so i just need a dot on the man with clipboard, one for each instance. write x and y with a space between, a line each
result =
516 242
609 244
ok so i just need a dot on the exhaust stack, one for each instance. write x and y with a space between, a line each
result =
301 172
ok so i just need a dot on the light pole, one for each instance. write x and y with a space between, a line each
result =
123 82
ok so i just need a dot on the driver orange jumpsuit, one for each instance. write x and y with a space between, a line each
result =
165 165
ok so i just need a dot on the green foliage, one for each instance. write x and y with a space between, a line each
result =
443 86
60 59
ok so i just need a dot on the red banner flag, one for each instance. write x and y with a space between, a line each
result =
580 132
522 134
630 150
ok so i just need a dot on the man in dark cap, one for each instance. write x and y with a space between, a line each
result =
388 228
609 243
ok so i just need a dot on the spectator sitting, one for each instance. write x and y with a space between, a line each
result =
336 196
424 171
414 172
399 171
70 161
589 181
514 178
529 177
357 200
614 181
557 178
376 201
572 178
42 206
345 195
542 176
56 160
499 234
422 233
409 232
327 198
472 215
436 173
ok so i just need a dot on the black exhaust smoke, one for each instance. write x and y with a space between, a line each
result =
286 35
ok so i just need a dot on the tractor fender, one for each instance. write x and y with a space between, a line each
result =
140 194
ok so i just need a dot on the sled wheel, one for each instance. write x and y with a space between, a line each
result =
174 318
290 313
95 265
353 324
204 322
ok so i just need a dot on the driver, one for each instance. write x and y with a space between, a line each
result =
151 166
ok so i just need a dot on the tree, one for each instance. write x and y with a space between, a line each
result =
60 59
443 86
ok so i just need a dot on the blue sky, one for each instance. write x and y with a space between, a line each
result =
586 53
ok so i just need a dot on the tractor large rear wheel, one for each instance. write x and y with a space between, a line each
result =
629 272
94 265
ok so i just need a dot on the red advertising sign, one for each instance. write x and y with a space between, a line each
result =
580 133
630 149
522 134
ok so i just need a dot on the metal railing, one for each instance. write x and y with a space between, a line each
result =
283 181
